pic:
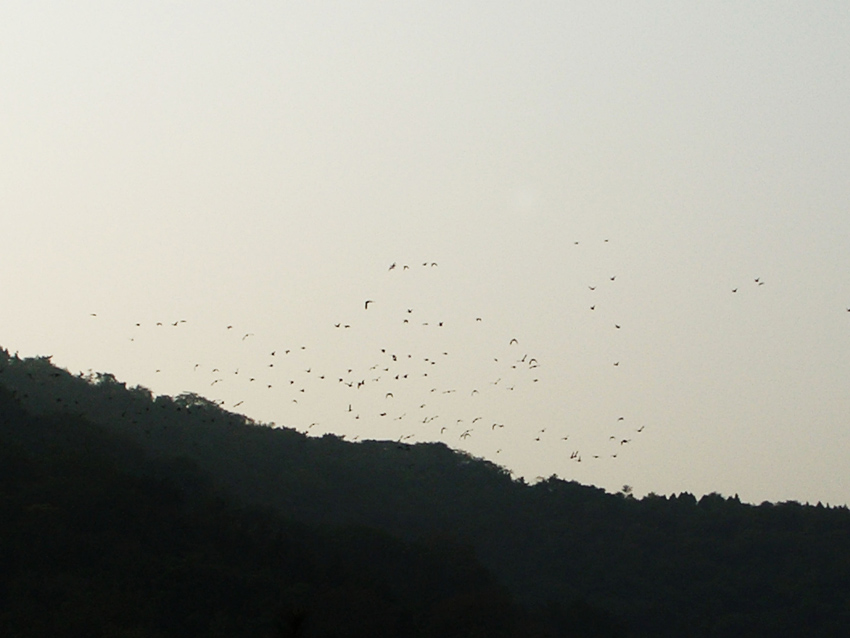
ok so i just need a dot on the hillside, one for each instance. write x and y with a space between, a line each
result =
662 566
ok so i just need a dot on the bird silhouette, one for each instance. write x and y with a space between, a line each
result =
366 305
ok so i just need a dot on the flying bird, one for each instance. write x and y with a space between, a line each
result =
366 305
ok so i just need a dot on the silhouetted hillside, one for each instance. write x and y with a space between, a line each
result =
97 538
663 566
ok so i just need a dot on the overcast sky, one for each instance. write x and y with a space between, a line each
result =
678 170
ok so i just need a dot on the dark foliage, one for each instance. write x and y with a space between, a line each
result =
660 566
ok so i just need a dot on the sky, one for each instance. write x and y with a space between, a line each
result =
620 231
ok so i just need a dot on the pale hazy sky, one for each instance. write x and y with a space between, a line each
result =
262 164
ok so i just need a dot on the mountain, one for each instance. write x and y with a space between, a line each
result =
577 560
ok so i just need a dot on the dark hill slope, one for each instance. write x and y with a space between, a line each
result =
98 538
669 566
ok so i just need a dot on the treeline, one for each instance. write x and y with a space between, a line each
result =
579 560
100 538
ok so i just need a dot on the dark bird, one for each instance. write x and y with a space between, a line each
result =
513 341
734 290
392 266
617 326
247 334
366 305
613 278
592 287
